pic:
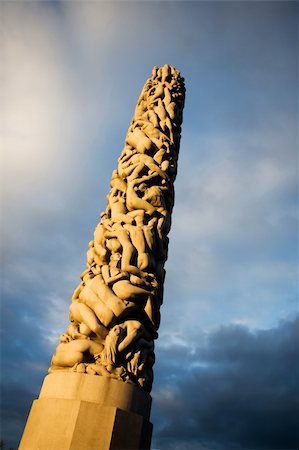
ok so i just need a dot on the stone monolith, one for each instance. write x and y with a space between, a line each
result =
97 393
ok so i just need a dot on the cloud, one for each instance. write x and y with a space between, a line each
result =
233 243
234 388
13 418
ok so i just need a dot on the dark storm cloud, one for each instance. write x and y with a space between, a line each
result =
13 418
25 357
235 389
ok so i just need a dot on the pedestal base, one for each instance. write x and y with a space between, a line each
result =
86 412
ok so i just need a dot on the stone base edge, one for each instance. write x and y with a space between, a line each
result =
69 424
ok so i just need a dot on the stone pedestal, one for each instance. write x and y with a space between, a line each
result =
84 412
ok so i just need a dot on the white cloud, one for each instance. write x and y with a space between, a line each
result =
55 315
233 240
50 112
237 185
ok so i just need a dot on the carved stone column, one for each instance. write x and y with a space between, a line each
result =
96 396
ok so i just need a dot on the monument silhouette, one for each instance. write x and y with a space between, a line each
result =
97 393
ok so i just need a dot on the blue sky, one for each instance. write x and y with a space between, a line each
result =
72 74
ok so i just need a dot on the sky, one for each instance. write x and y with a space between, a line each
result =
227 356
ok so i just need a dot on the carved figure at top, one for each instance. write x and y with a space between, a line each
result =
115 310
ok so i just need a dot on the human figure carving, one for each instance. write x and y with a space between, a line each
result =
124 285
115 310
137 163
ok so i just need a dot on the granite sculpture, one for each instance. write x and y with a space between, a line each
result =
115 310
